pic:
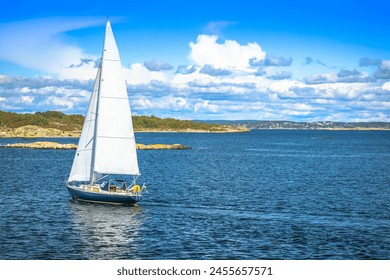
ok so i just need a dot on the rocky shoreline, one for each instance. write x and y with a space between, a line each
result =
58 146
33 131
42 145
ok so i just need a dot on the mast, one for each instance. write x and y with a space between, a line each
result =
92 172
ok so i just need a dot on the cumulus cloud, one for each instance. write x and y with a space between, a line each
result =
260 72
137 73
212 71
343 76
281 75
86 61
229 54
223 79
204 105
321 78
386 86
353 76
186 69
366 61
12 82
348 73
271 60
382 67
34 94
380 71
157 65
383 70
226 97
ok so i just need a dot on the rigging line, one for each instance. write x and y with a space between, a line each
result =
115 137
110 97
103 177
89 142
84 150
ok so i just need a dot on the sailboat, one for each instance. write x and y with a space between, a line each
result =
105 166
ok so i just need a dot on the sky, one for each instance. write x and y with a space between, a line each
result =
203 60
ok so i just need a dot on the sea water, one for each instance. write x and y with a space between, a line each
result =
266 194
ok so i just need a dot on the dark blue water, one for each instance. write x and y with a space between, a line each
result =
266 194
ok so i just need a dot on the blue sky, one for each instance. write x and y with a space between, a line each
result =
265 60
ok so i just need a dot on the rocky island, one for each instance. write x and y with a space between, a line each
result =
58 146
41 145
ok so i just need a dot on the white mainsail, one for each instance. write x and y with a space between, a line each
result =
107 143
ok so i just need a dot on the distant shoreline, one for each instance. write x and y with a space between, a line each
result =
329 129
317 125
77 135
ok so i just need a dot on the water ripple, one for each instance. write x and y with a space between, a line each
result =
257 195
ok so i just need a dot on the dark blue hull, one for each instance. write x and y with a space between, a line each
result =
79 194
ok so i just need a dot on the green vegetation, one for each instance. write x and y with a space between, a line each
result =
49 119
63 122
145 123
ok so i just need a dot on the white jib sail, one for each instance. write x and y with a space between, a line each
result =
81 168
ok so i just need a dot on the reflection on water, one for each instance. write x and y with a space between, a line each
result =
106 232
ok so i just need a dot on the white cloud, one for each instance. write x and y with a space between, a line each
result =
157 65
139 74
27 99
25 90
294 113
205 105
300 107
281 75
229 54
322 78
271 60
386 86
40 44
186 69
61 103
218 83
169 102
86 71
283 87
212 71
